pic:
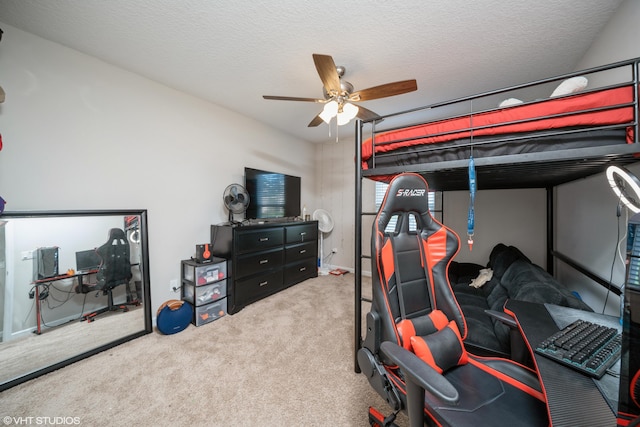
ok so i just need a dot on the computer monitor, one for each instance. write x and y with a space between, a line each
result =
87 260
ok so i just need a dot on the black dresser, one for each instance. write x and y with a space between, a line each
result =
265 258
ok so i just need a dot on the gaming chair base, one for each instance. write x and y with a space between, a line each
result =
90 317
377 419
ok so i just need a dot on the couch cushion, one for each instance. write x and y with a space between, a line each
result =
463 272
481 332
497 297
502 256
460 277
529 282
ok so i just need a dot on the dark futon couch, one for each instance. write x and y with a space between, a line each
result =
514 277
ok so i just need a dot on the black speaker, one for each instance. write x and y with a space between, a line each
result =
203 253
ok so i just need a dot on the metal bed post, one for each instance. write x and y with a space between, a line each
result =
358 248
550 231
635 68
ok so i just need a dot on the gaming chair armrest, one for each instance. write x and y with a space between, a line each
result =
503 317
419 373
519 351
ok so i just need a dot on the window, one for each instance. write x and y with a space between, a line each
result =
434 206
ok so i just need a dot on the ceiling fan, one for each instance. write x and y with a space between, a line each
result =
339 94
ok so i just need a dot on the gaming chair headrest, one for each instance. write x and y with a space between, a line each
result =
116 234
407 192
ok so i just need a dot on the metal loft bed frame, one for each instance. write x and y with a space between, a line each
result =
543 169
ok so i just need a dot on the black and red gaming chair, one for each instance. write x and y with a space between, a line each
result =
413 353
114 270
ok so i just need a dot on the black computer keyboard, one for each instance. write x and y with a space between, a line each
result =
587 347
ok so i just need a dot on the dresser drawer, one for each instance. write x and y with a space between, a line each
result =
299 271
300 251
301 233
253 263
256 240
256 287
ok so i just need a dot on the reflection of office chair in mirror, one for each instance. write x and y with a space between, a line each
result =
115 270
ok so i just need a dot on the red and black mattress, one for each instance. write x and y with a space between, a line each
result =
595 118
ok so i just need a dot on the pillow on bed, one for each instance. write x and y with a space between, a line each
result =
509 102
574 84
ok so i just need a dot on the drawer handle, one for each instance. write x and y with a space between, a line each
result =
304 233
303 268
266 282
303 251
264 261
264 239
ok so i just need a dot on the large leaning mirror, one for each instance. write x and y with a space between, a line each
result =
72 284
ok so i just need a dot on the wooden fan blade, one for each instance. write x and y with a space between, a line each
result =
292 98
327 72
382 91
317 120
365 114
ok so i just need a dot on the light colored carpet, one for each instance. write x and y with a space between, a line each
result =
284 361
33 352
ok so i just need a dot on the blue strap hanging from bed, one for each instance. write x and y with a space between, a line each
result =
472 199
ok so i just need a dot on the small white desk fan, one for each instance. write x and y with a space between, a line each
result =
325 225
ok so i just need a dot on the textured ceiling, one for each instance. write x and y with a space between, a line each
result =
232 52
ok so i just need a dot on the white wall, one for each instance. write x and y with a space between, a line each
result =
336 189
512 217
618 40
587 232
81 134
586 210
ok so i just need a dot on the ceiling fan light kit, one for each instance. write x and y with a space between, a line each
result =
343 112
339 94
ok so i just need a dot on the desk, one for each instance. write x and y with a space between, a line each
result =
573 399
48 280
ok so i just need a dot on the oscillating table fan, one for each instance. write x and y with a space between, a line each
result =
325 225
236 200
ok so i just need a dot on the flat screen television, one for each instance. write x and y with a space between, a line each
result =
271 194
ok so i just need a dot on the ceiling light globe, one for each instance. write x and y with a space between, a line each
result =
349 111
329 111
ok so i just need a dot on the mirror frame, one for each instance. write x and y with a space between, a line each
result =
144 259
